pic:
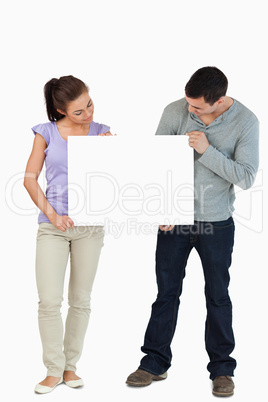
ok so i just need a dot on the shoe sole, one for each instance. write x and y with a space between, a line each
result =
142 384
223 393
74 383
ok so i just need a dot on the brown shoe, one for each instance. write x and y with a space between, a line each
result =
223 386
141 378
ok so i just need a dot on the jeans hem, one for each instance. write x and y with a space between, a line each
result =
213 376
150 371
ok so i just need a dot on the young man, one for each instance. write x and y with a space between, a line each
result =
224 136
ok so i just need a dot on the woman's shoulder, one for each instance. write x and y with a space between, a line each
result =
44 129
48 126
98 128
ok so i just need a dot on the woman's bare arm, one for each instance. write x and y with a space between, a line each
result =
32 172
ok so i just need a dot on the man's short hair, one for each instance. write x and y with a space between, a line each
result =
207 82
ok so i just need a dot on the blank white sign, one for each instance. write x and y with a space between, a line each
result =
117 180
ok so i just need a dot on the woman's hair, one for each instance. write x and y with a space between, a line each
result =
59 92
207 82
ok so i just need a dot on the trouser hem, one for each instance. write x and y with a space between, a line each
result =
55 373
70 368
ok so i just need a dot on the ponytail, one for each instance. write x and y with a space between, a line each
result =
59 92
52 113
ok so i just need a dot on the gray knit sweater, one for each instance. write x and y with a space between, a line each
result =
232 157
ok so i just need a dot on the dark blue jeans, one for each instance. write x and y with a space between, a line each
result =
214 244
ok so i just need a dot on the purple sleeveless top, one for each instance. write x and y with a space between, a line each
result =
56 162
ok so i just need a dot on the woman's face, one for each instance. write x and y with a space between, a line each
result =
80 110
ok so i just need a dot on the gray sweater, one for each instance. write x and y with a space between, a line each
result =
232 157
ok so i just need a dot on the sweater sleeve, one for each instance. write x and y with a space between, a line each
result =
242 169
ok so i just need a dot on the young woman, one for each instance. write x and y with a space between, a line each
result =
70 112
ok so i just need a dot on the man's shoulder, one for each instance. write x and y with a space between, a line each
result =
172 118
245 112
177 106
176 111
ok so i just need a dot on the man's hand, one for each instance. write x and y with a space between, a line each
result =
166 228
198 141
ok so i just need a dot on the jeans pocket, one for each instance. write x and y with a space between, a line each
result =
223 224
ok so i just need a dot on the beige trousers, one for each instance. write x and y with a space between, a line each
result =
83 243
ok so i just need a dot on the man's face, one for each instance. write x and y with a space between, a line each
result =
199 107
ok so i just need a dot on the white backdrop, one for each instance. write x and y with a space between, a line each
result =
136 58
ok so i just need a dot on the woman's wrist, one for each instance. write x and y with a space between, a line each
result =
52 215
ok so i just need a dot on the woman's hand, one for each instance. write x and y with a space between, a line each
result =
108 133
62 222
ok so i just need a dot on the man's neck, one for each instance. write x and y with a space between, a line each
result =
209 118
